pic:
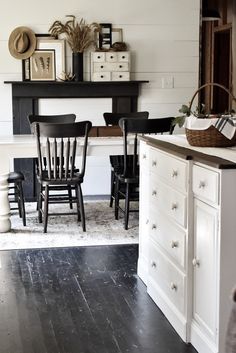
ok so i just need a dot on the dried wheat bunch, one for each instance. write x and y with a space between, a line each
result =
79 35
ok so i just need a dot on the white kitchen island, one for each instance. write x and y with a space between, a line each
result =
188 236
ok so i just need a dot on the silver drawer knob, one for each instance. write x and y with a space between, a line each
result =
154 193
202 184
174 244
154 226
174 173
196 262
174 206
147 221
144 156
173 286
154 163
153 264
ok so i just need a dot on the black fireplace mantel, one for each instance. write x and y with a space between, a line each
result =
25 96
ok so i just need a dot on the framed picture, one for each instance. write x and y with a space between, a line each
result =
59 46
42 65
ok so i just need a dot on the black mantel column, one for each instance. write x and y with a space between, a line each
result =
25 96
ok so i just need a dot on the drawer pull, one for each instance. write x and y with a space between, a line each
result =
195 262
173 286
147 221
102 66
154 163
120 76
202 184
154 193
154 226
153 264
120 66
102 76
174 173
144 156
111 56
99 56
174 244
123 57
174 206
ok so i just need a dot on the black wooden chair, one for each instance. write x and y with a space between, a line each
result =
16 195
56 119
117 161
57 145
127 179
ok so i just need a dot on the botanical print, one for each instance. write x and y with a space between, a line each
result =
42 65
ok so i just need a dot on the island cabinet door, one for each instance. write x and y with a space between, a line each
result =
205 274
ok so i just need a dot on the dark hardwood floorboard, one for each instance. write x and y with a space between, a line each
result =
80 300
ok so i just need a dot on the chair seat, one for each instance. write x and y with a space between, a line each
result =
77 178
15 177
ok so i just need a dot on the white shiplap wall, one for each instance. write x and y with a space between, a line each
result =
163 36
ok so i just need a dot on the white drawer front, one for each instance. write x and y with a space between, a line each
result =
98 57
169 201
111 57
167 277
206 184
171 169
99 67
120 76
123 56
101 76
144 151
168 236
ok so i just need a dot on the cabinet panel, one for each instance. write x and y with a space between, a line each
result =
206 184
205 267
168 277
171 169
169 236
167 200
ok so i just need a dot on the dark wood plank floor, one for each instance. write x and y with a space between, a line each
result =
79 300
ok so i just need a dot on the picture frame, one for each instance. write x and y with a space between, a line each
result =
45 43
42 65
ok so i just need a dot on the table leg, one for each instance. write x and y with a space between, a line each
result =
5 223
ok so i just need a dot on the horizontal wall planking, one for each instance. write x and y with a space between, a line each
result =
11 65
174 95
180 80
141 12
151 62
155 33
84 108
6 128
157 110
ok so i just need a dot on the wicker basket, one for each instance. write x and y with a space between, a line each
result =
210 137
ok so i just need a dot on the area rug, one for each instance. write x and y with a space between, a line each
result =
64 231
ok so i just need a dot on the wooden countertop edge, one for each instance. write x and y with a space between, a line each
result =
188 154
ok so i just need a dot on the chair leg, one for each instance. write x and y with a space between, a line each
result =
127 206
81 203
17 198
70 196
39 203
112 188
46 209
78 203
117 185
22 203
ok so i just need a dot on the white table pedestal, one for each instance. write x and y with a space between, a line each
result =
5 223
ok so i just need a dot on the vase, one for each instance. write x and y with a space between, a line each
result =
77 66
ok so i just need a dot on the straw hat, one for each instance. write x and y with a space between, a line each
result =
22 42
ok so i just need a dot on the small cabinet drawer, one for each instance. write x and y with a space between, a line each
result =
171 281
171 169
123 56
110 67
111 57
101 76
206 184
168 201
166 234
98 57
120 76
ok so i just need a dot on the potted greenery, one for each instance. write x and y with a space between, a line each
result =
80 36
